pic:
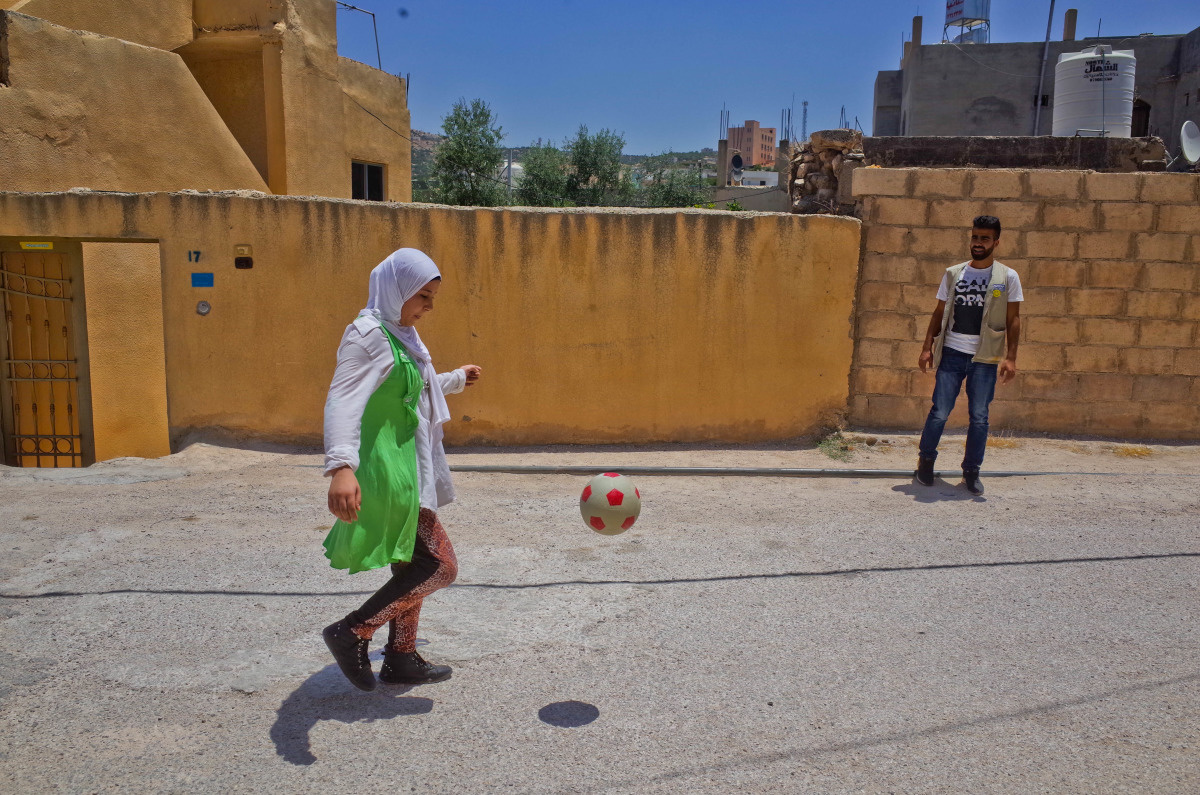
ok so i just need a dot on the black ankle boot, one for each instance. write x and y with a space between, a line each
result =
925 471
408 668
350 651
971 479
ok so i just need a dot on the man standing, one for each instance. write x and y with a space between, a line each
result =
974 331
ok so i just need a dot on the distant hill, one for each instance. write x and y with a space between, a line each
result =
425 143
423 146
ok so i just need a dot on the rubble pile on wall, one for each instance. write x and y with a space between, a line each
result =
819 166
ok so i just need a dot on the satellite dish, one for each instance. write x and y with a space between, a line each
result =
1189 138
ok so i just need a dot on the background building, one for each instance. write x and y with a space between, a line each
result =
991 89
151 95
757 144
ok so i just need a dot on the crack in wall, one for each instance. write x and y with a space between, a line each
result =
3 49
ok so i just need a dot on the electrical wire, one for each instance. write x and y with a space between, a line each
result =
1014 74
985 66
381 121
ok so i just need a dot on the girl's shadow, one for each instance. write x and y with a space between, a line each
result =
326 695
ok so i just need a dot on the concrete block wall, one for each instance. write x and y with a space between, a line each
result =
1110 266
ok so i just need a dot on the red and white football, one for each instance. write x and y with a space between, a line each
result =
610 503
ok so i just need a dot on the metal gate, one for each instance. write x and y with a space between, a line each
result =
40 369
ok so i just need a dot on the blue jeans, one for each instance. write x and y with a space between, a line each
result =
981 387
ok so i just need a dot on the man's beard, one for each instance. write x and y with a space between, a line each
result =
986 253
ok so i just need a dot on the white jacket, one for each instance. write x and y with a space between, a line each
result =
364 361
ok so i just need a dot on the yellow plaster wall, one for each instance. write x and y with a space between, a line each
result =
314 127
264 100
126 361
214 15
327 104
301 112
591 325
162 24
368 91
233 81
84 110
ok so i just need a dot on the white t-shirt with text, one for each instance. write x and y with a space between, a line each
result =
968 296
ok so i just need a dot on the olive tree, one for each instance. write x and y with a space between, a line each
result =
467 161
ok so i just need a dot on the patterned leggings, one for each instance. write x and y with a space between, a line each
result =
398 602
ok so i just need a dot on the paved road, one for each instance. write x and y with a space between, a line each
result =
161 620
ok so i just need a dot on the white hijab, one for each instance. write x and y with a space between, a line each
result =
394 281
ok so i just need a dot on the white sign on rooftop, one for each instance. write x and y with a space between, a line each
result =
960 11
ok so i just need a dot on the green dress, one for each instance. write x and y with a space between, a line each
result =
386 528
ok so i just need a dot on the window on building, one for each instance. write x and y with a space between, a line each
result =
366 181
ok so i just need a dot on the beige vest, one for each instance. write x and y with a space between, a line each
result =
995 316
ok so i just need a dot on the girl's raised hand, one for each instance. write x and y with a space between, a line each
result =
345 497
473 372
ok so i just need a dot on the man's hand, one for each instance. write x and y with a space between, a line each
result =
345 497
926 360
473 372
1008 370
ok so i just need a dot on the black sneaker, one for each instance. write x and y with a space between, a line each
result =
408 668
350 651
971 479
925 471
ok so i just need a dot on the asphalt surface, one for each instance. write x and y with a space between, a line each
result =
161 620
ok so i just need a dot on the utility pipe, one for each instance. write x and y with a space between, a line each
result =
1037 98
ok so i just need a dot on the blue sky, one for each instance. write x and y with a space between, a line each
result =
658 72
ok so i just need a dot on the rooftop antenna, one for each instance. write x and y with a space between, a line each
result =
378 58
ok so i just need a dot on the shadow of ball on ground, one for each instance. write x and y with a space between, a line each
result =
568 714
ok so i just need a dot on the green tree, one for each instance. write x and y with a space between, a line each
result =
466 163
544 181
595 177
676 187
666 184
422 176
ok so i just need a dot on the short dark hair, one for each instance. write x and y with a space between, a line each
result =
987 222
